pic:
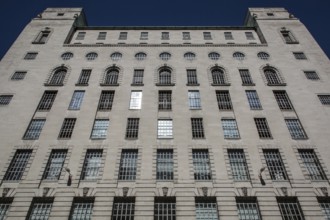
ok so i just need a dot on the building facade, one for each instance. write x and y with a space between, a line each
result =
165 122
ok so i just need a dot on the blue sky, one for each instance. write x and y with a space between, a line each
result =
15 14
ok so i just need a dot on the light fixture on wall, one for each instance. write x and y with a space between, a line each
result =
260 176
68 183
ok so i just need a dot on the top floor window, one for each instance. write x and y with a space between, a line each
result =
67 56
263 56
5 99
81 36
58 77
249 36
91 56
238 56
144 36
31 56
165 56
272 77
123 36
185 35
214 56
116 56
299 56
288 37
165 35
42 37
228 36
102 35
140 56
207 35
189 56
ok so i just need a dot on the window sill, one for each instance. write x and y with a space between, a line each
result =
228 138
195 84
38 42
131 139
30 139
225 110
135 84
250 84
295 42
81 84
95 138
47 84
105 84
300 139
165 138
165 110
225 84
103 110
266 138
282 84
159 84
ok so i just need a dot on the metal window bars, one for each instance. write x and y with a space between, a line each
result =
138 77
58 77
17 165
34 129
214 56
246 77
262 127
84 77
165 77
67 128
194 100
230 129
263 56
116 56
92 165
202 167
165 100
40 209
18 75
55 164
106 100
140 56
91 56
67 56
197 128
165 56
325 206
290 208
312 164
248 208
82 208
275 164
192 77
272 77
76 100
5 204
218 77
283 100
165 164
295 128
100 129
128 165
239 168
123 208
312 75
102 36
299 55
165 208
189 56
253 99
206 208
132 128
47 100
238 56
5 99
30 56
165 128
224 101
111 77
324 99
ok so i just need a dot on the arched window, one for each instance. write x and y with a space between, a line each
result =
272 77
218 77
189 56
165 56
165 77
214 56
58 77
239 56
91 56
263 55
67 56
140 56
116 56
111 77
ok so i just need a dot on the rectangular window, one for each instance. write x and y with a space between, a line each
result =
325 206
47 101
82 208
164 100
55 165
312 75
84 77
312 164
288 37
248 208
144 36
249 36
128 164
123 36
206 208
185 35
81 36
123 208
30 56
19 75
106 100
100 129
194 100
324 99
34 129
40 208
42 37
165 208
76 100
299 56
295 128
17 165
207 35
192 78
67 128
290 208
5 204
230 129
5 99
102 36
165 164
138 77
262 127
246 77
136 100
275 164
197 128
165 128
283 100
92 165
165 35
238 165
253 99
201 162
224 101
228 36
132 128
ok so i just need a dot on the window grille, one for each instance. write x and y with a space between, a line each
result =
283 100
100 129
207 35
295 128
263 56
144 36
165 35
67 56
253 99
228 36
299 55
34 129
116 56
102 36
325 207
197 128
201 162
164 100
239 168
272 77
42 37
67 128
123 36
206 208
30 56
218 77
76 100
189 56
84 77
128 165
185 35
165 164
275 164
18 164
238 56
132 128
270 14
290 208
136 100
262 127
248 208
123 208
165 77
312 75
55 164
58 77
106 100
165 208
92 165
324 99
140 56
91 56
82 208
214 56
111 77
312 164
165 128
18 75
230 129
224 101
40 208
192 77
194 100
249 36
5 204
138 77
288 37
165 56
246 77
81 36
5 99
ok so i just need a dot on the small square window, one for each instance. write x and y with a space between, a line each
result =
60 14
185 35
81 36
144 36
207 35
102 36
312 75
165 35
299 55
324 99
5 99
30 56
132 128
18 75
270 14
42 37
100 129
123 36
165 128
228 36
249 36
